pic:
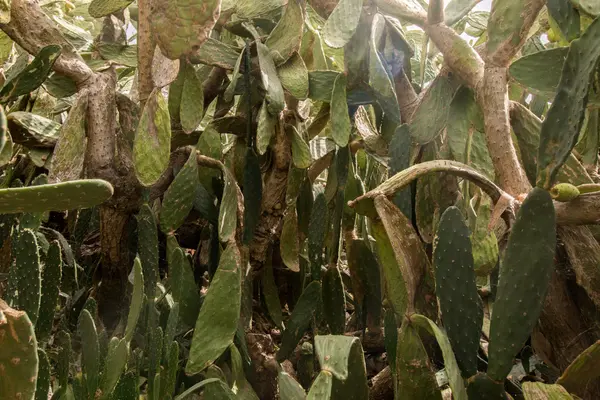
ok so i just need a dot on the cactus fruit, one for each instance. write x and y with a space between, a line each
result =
456 289
524 278
18 354
51 278
55 197
564 192
25 278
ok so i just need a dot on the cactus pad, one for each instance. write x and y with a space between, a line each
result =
456 289
524 277
18 354
55 197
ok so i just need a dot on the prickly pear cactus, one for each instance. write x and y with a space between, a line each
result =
524 277
25 274
456 289
18 354
55 197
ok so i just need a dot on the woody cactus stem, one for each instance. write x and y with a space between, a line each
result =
494 101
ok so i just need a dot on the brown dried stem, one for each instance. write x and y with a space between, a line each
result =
31 29
146 46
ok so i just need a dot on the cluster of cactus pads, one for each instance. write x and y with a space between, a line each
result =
525 272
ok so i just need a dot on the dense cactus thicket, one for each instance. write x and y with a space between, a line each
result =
299 199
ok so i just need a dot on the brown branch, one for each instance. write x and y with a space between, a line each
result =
495 104
464 61
33 30
503 45
435 13
584 210
410 11
146 46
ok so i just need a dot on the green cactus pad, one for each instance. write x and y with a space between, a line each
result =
300 319
265 130
43 380
270 292
90 352
450 364
379 78
289 242
148 248
334 306
155 350
18 354
55 197
524 277
25 278
169 377
69 152
525 70
317 231
294 76
268 73
178 200
152 143
127 388
456 289
342 23
431 116
32 130
101 8
482 387
564 120
320 85
182 27
286 37
118 351
289 388
51 278
321 387
183 287
32 76
137 300
413 369
582 371
220 313
340 119
63 339
191 109
229 207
